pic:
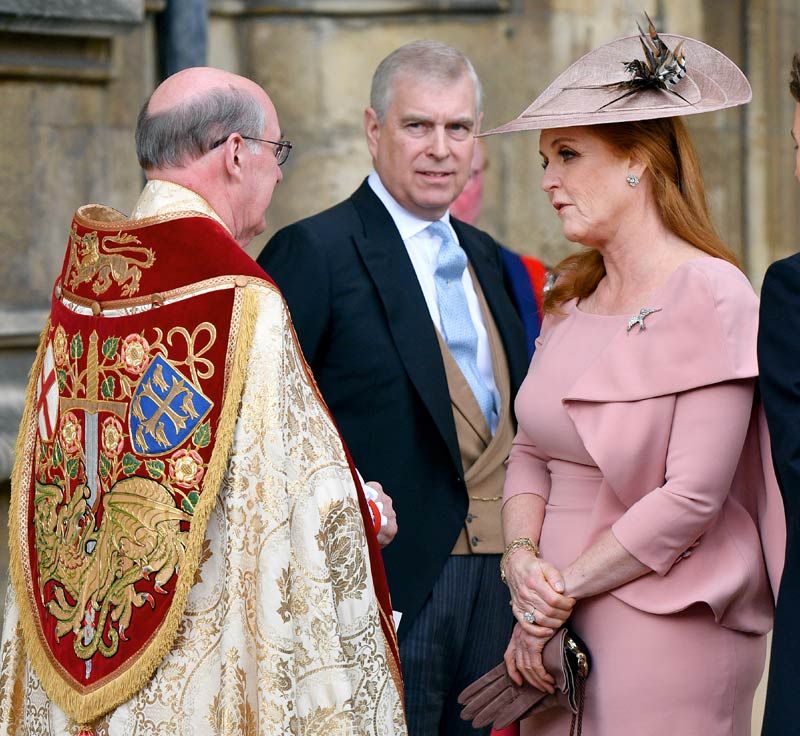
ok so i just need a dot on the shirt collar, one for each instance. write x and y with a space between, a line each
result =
407 224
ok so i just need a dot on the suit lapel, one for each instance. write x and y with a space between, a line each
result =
487 269
385 257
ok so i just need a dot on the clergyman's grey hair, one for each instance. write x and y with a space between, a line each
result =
431 61
188 130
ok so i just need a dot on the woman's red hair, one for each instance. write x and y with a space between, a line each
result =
678 191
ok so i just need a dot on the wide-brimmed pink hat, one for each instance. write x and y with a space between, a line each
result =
637 78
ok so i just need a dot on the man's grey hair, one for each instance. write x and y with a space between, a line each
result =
430 61
188 130
794 79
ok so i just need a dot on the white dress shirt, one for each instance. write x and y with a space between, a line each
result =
423 250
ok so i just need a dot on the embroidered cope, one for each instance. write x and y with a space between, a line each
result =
188 545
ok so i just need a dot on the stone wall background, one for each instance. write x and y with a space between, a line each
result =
73 74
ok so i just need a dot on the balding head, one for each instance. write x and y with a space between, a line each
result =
201 129
192 110
188 83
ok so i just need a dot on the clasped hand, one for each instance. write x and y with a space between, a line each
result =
537 589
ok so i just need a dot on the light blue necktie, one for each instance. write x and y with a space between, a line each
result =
457 329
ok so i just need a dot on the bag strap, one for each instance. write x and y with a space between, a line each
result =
577 716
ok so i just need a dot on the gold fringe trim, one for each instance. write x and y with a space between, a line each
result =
88 707
34 648
394 672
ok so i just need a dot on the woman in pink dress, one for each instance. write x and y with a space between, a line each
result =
637 506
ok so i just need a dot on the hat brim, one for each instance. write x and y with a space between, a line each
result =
580 95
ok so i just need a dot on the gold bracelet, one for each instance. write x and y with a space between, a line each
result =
518 543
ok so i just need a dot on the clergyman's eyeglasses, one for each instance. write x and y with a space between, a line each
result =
282 148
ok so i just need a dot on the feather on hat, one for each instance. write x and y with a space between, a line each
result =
637 78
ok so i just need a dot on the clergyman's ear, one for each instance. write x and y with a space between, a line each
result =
233 152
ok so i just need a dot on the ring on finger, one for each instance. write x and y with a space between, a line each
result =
529 616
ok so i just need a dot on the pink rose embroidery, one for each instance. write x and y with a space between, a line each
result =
135 354
186 469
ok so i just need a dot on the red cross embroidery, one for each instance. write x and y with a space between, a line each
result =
41 404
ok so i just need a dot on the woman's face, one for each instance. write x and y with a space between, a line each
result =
796 136
585 180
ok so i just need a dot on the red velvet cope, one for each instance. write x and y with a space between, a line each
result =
98 359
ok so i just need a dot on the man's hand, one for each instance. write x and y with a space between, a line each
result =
388 529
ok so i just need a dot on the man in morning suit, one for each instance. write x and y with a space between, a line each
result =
779 368
402 314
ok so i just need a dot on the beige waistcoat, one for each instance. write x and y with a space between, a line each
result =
482 456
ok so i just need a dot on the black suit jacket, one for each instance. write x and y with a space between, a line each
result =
779 380
366 331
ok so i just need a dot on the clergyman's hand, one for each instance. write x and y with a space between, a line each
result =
383 501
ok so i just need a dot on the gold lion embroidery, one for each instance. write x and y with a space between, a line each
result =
139 536
91 259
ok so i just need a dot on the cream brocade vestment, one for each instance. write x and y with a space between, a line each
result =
282 632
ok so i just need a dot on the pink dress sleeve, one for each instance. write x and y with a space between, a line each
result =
526 469
706 440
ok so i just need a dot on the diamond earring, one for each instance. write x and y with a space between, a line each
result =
632 180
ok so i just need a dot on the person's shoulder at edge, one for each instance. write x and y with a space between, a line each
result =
322 229
790 265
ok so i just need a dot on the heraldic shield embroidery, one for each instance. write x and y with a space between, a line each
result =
111 507
121 438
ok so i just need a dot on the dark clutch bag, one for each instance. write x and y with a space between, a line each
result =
496 699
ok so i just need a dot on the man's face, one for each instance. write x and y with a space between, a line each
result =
423 149
469 203
261 175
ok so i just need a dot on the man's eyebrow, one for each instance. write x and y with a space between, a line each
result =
412 117
422 118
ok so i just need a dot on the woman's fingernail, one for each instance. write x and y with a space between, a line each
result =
560 586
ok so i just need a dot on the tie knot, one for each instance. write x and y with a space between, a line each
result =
451 260
441 231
